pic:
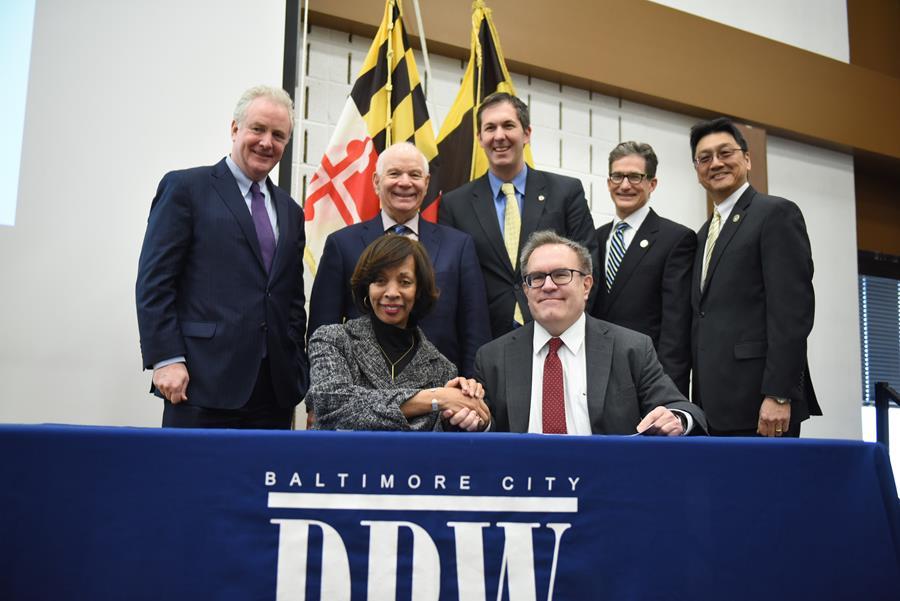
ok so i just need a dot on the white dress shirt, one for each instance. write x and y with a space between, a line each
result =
726 206
634 221
573 358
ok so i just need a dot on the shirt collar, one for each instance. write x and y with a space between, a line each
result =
387 222
572 338
727 205
635 220
518 182
243 181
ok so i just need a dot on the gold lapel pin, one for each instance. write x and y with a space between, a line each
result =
541 198
736 218
644 243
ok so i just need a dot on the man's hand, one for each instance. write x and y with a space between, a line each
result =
470 387
661 422
172 382
465 419
454 400
774 418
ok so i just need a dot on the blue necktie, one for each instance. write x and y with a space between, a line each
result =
401 230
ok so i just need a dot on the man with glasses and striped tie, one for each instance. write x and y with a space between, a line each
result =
569 373
645 263
751 295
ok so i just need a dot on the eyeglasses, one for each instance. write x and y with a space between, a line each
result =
723 154
560 277
633 178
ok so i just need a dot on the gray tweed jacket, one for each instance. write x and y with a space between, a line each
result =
351 386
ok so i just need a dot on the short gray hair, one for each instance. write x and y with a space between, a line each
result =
546 237
395 148
276 95
640 149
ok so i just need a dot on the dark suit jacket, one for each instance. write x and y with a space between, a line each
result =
203 292
552 202
652 291
625 380
458 322
752 319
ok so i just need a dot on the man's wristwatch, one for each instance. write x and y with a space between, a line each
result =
782 400
434 406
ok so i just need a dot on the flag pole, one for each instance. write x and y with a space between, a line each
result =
299 121
424 44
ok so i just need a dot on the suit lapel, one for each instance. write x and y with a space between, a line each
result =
601 294
483 206
598 354
636 252
227 189
533 207
517 368
430 237
371 230
729 228
282 205
369 356
698 263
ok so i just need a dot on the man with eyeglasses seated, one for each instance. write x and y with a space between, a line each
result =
751 295
569 373
645 263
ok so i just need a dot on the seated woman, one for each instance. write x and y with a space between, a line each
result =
379 372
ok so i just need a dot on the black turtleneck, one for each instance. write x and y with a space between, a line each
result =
396 343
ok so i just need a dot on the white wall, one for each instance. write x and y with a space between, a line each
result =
819 26
120 93
821 183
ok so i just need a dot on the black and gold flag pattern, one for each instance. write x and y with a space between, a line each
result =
462 159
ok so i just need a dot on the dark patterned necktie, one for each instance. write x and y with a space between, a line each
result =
616 253
553 415
263 225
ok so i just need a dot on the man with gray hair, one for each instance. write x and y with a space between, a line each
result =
219 291
569 373
458 324
646 263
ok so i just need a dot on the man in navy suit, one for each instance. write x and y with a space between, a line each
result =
544 201
751 295
458 323
645 263
219 290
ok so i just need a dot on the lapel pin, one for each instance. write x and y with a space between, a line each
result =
736 218
541 198
644 243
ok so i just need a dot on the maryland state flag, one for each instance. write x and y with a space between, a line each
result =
386 105
462 159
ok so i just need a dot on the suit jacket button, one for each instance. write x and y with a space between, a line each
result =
263 327
702 314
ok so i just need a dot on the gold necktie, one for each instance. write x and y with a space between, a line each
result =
711 236
512 228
